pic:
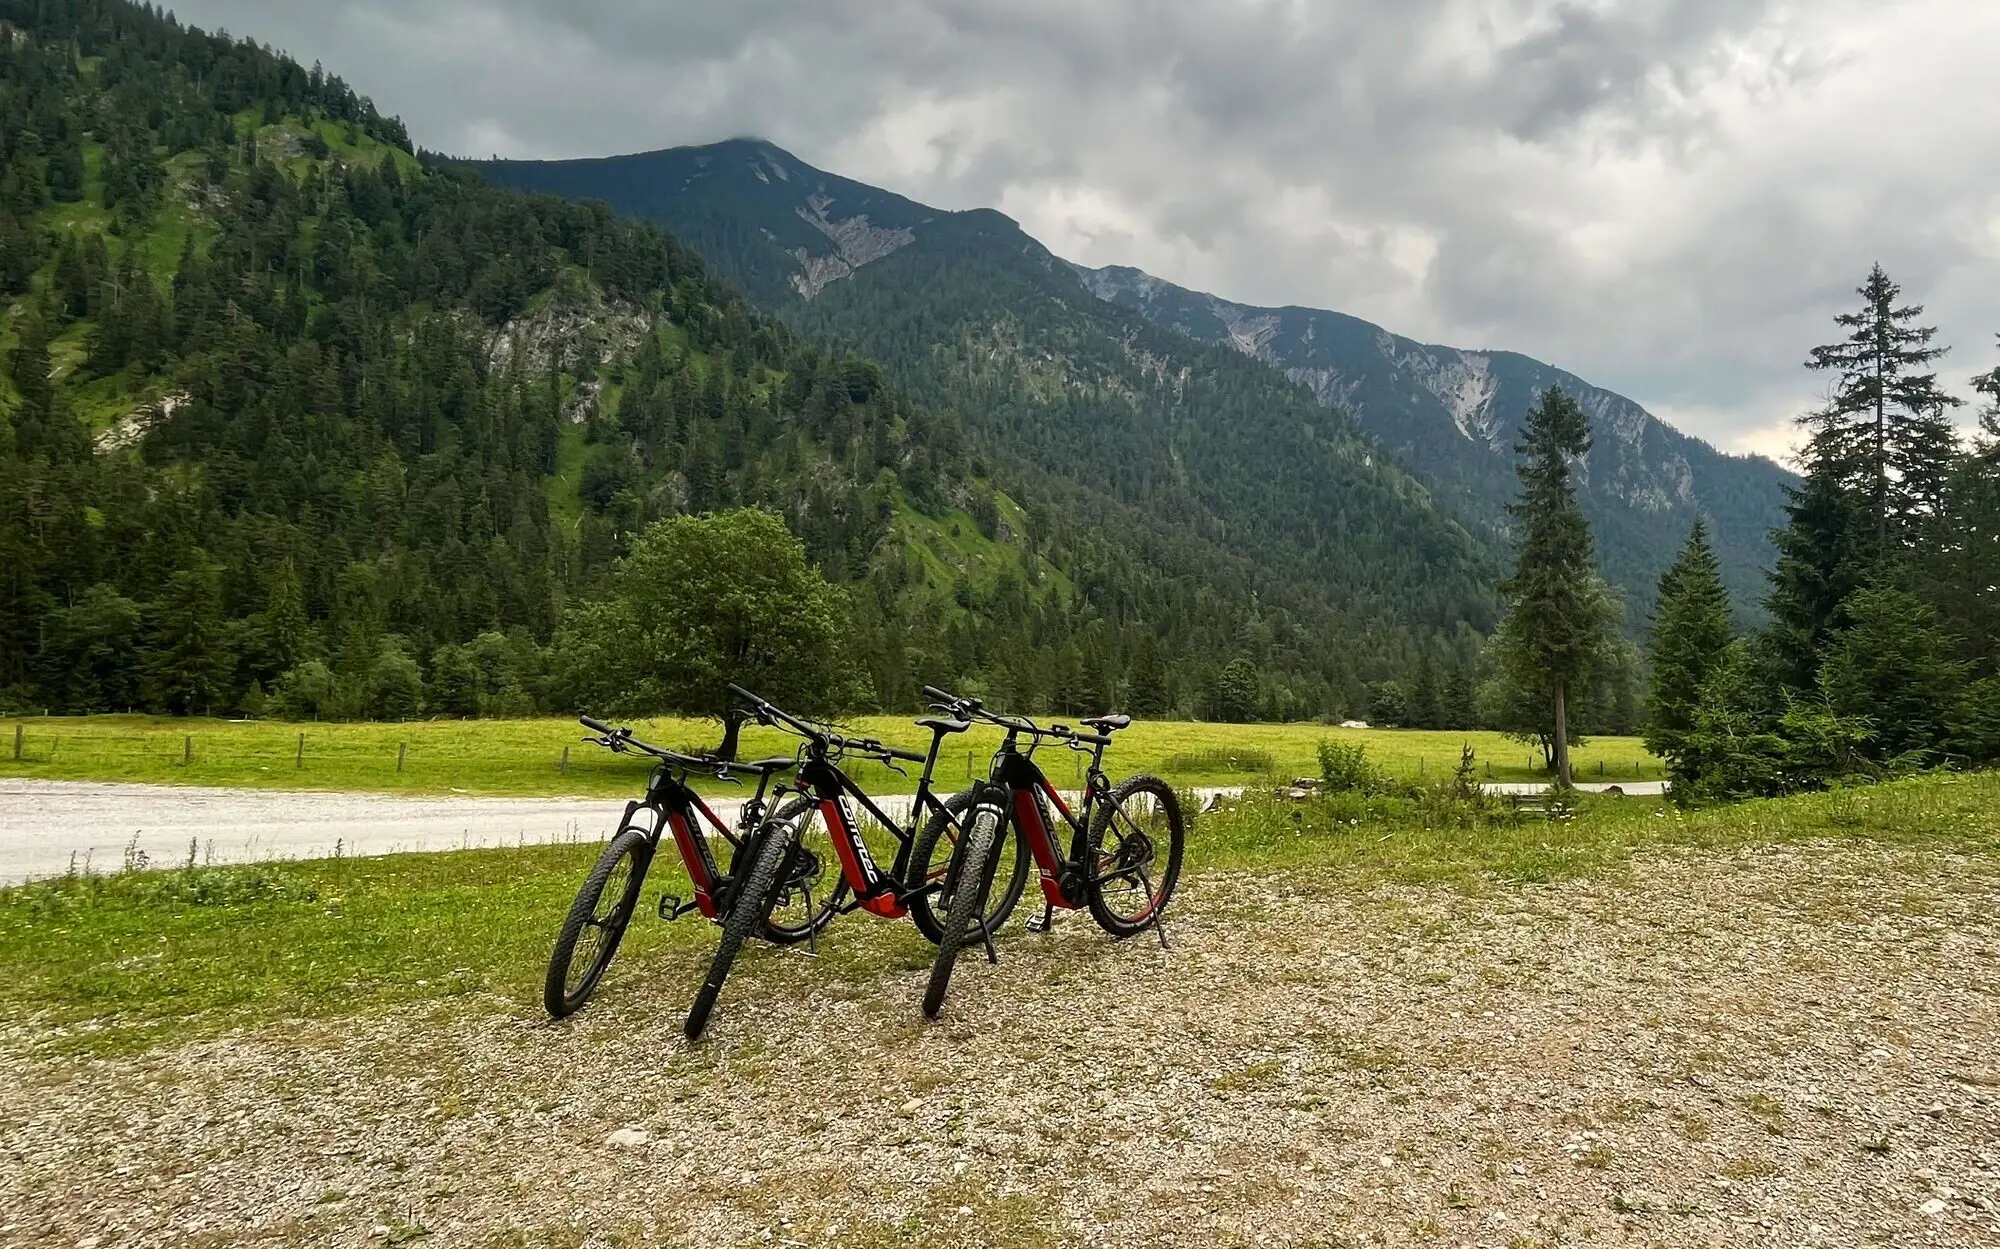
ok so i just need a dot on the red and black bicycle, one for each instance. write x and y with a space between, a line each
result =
603 909
818 823
1125 840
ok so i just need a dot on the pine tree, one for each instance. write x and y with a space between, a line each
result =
1461 699
1146 682
190 665
1560 614
1825 552
1884 431
1425 702
1893 667
285 619
1691 631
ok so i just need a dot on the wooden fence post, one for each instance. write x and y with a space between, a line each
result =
402 749
187 751
20 732
563 767
302 750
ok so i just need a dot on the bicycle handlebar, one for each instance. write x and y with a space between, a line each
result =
619 740
823 736
972 708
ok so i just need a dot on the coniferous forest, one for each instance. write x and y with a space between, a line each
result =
295 423
1882 648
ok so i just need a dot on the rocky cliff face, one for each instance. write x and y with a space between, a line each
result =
855 243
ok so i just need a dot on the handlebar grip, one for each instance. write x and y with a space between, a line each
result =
740 692
908 756
595 726
932 691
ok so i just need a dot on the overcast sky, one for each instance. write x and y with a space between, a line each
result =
1671 198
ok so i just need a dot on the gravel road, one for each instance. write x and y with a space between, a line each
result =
1787 1047
46 827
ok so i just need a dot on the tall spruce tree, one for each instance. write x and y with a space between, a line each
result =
1426 698
1146 683
1825 552
1885 430
1560 614
1691 631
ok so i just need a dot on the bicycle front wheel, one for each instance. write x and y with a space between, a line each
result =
930 863
812 887
750 906
596 923
967 883
1133 855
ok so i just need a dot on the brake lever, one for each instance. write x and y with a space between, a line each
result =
724 774
891 765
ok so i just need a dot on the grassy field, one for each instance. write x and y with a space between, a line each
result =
115 962
526 757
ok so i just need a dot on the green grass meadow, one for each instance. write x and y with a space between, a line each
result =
97 964
526 757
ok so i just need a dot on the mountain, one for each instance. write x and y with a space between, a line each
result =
293 419
1452 416
1063 392
949 298
289 420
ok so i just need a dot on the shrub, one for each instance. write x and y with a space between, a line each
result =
1344 768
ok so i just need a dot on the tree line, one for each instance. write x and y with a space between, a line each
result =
1882 649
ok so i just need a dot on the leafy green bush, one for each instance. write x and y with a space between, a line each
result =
1344 768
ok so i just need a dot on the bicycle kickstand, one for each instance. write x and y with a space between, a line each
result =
986 935
1046 923
812 927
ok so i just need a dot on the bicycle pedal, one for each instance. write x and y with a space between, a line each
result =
672 908
1045 922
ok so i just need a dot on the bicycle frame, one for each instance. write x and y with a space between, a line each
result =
678 810
874 891
1017 772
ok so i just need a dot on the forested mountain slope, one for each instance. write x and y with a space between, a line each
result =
287 416
1452 417
1212 449
972 312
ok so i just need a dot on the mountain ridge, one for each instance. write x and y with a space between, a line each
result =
976 316
1452 412
793 236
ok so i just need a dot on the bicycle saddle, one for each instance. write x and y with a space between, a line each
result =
1105 724
937 724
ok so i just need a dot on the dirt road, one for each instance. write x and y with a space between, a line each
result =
1778 1048
48 827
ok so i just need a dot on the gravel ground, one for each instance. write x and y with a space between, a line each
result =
1787 1047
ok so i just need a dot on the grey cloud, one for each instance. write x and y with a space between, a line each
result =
1670 197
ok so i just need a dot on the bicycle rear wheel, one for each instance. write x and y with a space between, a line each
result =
812 889
1133 855
967 883
596 923
750 906
930 860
